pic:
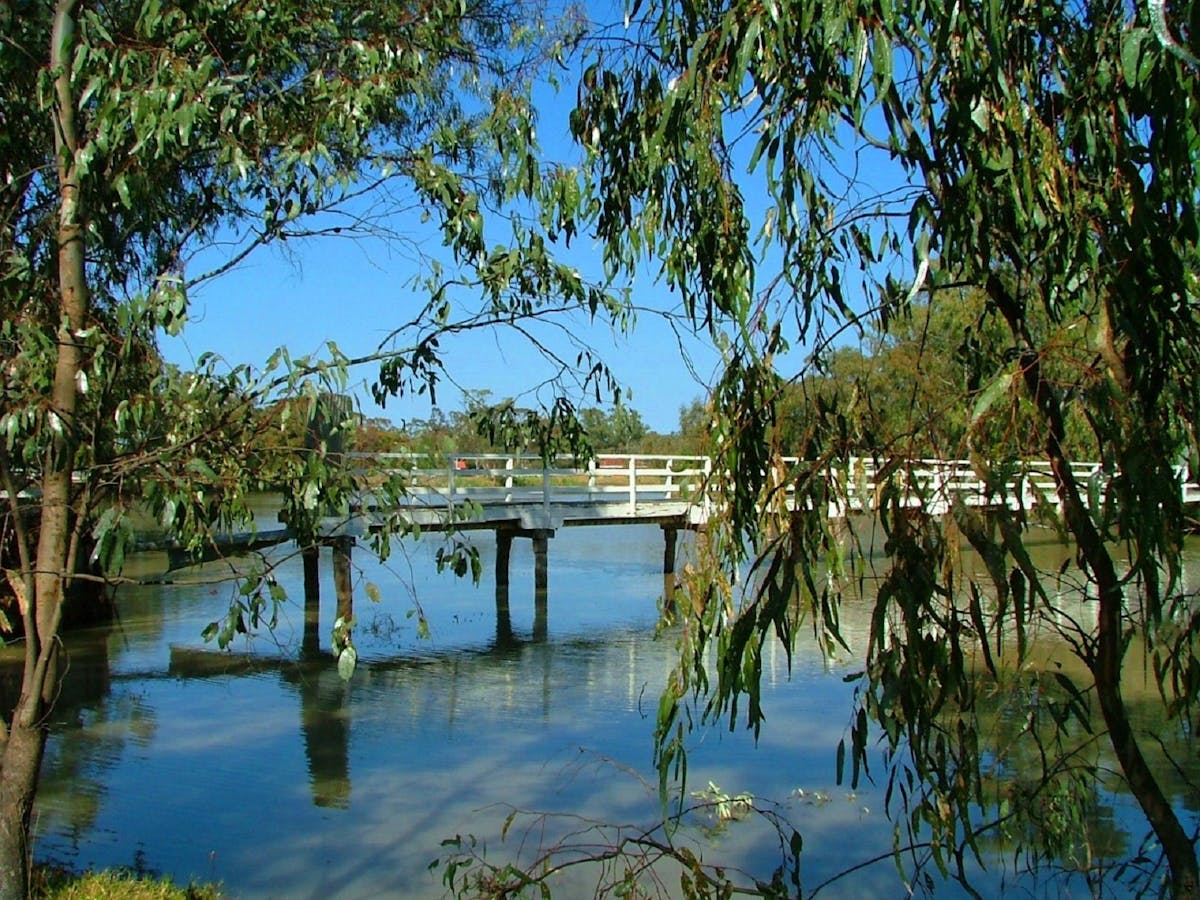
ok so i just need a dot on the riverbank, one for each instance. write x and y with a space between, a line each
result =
54 883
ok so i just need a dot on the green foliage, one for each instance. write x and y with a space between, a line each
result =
137 134
377 435
209 117
518 429
255 123
694 420
343 647
618 429
484 426
927 387
460 557
256 606
998 203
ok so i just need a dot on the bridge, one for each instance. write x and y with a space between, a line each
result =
521 495
498 491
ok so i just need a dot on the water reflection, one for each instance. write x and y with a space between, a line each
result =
325 725
100 721
264 770
427 734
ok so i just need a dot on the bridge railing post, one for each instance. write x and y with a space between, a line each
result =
546 486
632 485
942 502
838 498
707 499
508 479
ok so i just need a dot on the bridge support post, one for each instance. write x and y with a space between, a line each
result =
541 544
541 540
504 539
670 540
310 644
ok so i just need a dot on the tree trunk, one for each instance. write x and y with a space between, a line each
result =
1107 661
20 764
19 769
1106 667
1181 855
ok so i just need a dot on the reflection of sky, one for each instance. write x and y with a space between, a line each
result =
283 782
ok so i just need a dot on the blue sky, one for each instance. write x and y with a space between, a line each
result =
353 294
305 293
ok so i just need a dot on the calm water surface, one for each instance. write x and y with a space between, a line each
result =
280 780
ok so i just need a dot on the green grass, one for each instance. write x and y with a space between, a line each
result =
51 883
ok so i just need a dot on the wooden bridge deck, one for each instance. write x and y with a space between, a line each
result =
489 491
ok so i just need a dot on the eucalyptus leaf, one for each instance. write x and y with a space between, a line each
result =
347 662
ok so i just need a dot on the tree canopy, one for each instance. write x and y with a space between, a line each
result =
903 388
135 134
807 174
803 175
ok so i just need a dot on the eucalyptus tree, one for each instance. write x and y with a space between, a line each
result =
798 170
134 133
620 428
903 387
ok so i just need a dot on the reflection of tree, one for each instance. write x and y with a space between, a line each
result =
1051 798
1053 782
1045 779
95 722
1045 796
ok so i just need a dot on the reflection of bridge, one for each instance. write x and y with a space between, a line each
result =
504 679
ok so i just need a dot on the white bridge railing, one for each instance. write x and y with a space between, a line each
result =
936 485
646 485
618 484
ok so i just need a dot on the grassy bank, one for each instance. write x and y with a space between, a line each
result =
57 884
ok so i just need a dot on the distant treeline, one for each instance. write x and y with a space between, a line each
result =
914 389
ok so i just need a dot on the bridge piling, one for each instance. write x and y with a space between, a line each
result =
670 539
504 632
540 538
310 645
504 539
541 546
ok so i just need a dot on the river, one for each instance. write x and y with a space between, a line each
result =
278 779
